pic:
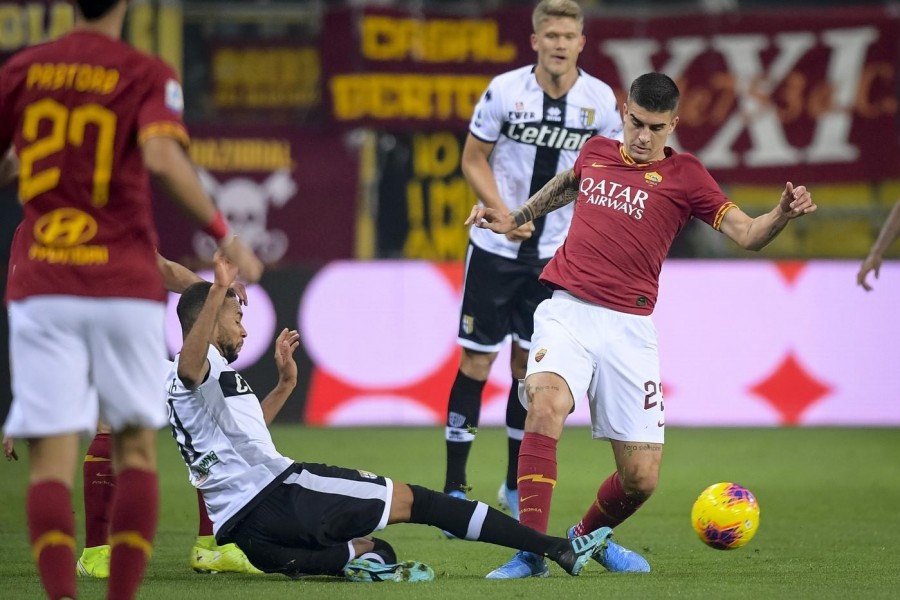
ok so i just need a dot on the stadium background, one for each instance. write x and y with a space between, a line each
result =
330 135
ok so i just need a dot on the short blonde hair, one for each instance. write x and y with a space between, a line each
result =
556 8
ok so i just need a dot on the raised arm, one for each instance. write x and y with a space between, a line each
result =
558 192
192 363
478 173
176 277
755 234
285 344
167 162
889 232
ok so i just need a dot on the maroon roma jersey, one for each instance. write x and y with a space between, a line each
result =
626 216
77 110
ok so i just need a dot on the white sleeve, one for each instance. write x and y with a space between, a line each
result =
611 119
487 120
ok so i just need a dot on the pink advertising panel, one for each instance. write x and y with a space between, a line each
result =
743 343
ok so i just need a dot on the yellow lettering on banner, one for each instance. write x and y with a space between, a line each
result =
435 155
241 154
23 25
280 77
867 106
421 97
434 40
438 199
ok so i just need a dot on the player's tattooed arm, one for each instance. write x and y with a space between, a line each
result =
559 191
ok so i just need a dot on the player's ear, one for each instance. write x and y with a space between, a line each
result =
673 124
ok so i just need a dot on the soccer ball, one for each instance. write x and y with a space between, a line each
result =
725 516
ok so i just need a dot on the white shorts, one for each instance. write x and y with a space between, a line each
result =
610 356
75 360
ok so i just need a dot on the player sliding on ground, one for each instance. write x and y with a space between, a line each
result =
304 518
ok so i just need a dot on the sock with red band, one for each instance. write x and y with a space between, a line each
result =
132 528
51 529
537 478
99 485
611 507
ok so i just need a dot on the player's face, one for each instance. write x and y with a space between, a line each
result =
558 42
230 333
646 132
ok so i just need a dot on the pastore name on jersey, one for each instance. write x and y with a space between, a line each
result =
614 195
547 136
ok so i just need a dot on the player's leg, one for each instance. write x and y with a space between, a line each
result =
476 521
627 400
484 325
99 480
135 509
559 372
207 556
315 522
508 494
530 293
46 335
51 524
463 416
128 363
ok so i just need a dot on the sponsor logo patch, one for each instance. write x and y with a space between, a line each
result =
540 354
587 116
468 324
174 97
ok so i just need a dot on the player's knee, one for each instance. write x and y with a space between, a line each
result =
476 365
640 483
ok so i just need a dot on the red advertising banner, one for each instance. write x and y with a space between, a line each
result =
767 96
290 194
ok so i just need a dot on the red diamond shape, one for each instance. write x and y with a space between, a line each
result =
791 389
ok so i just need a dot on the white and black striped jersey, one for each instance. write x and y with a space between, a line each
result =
536 137
223 438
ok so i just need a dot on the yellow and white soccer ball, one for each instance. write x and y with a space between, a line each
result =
725 516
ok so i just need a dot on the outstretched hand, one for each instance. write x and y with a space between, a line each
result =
285 344
796 201
871 264
249 266
490 218
224 271
9 449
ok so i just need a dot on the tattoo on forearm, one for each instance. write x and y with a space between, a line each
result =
559 191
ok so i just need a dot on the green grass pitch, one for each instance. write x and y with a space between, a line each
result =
829 526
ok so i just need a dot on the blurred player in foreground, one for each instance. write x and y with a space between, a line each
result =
594 336
99 481
304 518
872 264
87 118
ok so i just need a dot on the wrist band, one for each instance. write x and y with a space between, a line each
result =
217 228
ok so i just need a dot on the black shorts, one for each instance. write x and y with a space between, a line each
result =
304 524
500 296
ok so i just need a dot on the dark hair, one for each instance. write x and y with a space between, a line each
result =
94 9
655 92
192 301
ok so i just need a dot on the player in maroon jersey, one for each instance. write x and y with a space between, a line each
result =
88 119
594 337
